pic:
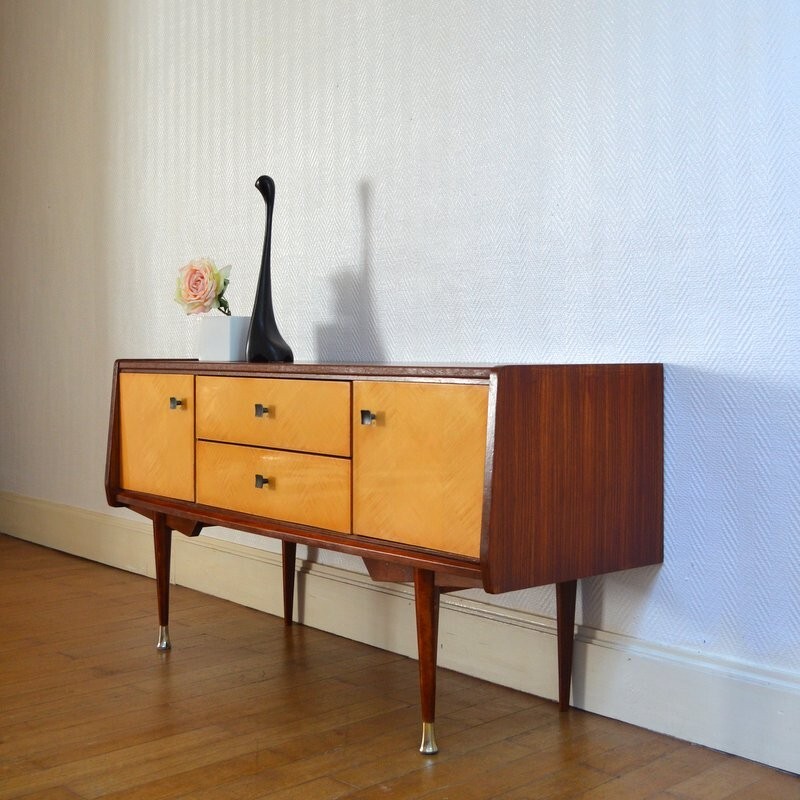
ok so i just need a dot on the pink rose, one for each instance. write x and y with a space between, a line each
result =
200 286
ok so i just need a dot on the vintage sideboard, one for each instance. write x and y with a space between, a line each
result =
450 477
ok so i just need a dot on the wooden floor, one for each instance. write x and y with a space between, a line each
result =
243 708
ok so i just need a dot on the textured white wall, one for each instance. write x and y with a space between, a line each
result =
456 181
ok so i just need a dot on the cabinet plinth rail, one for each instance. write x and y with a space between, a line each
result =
448 477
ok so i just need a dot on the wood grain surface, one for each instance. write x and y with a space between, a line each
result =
297 487
157 441
418 469
312 416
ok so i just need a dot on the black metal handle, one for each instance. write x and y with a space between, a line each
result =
367 417
174 402
262 410
261 481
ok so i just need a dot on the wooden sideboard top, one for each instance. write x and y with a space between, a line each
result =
308 369
350 370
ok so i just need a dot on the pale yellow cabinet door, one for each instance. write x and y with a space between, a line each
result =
419 453
157 434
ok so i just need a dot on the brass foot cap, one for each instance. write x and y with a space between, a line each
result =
428 745
163 638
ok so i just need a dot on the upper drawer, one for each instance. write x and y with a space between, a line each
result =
306 415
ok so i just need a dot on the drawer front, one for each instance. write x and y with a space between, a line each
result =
307 415
156 435
418 468
295 487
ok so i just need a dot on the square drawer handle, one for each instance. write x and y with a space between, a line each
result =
175 403
262 410
261 482
367 417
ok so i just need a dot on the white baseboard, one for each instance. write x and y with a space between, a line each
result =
741 709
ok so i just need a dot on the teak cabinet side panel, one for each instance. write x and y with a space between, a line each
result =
418 469
577 478
156 434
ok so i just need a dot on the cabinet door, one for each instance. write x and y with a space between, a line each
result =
418 466
157 434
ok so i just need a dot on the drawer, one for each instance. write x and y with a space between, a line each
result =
297 487
308 415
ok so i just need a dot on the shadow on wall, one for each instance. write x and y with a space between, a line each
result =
732 506
353 334
731 511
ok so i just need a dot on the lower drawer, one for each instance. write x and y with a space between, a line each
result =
294 487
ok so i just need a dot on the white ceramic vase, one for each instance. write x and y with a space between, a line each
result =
223 338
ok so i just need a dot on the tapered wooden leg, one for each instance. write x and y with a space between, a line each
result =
289 551
565 625
162 538
426 597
